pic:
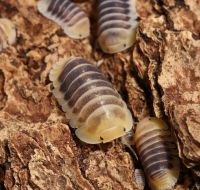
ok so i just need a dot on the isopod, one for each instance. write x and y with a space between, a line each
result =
7 33
116 25
139 178
157 152
91 104
68 15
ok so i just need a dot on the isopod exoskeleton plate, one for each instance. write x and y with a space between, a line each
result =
116 24
68 15
91 103
158 153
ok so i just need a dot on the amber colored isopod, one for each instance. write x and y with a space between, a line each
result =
7 33
92 105
157 152
68 15
116 24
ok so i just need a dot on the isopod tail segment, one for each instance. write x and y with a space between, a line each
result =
72 19
91 103
7 33
117 25
157 152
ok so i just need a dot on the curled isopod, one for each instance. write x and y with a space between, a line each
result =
68 15
116 24
157 152
7 33
92 105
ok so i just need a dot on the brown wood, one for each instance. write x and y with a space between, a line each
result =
159 76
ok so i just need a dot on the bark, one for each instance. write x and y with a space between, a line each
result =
159 76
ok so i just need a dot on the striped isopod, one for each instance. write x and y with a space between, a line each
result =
91 103
139 178
7 33
116 24
157 153
68 15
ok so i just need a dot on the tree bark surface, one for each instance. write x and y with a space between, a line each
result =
158 76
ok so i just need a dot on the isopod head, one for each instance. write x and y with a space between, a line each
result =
103 128
157 152
115 41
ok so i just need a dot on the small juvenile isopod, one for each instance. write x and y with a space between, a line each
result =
68 15
116 24
92 105
7 33
157 152
139 178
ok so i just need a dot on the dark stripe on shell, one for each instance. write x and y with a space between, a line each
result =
113 11
156 138
97 93
119 25
113 5
147 153
74 73
82 80
76 94
69 66
68 11
62 10
75 18
154 144
119 17
51 5
57 7
95 106
157 167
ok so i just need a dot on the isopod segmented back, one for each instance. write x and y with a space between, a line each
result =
91 103
157 153
116 24
68 15
7 33
140 178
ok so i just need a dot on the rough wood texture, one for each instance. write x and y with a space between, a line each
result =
171 45
159 76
